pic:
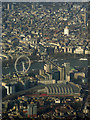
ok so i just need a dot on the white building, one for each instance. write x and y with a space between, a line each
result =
87 52
79 50
47 67
57 100
47 81
66 31
10 89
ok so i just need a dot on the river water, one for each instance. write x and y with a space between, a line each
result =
39 65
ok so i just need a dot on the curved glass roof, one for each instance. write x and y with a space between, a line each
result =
62 88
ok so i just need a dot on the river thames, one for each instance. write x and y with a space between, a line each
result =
74 62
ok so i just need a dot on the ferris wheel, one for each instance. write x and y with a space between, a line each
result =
22 64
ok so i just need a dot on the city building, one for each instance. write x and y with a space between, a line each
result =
63 88
62 73
47 81
10 89
47 67
79 74
32 110
66 31
40 31
67 71
79 50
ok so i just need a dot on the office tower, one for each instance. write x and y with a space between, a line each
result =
12 7
85 18
32 110
41 72
52 66
67 69
31 21
32 6
62 76
8 6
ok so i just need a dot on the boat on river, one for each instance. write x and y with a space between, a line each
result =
83 59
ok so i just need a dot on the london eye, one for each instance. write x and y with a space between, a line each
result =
22 64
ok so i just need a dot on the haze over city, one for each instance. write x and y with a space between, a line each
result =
45 51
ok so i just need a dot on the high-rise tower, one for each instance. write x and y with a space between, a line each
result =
67 69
